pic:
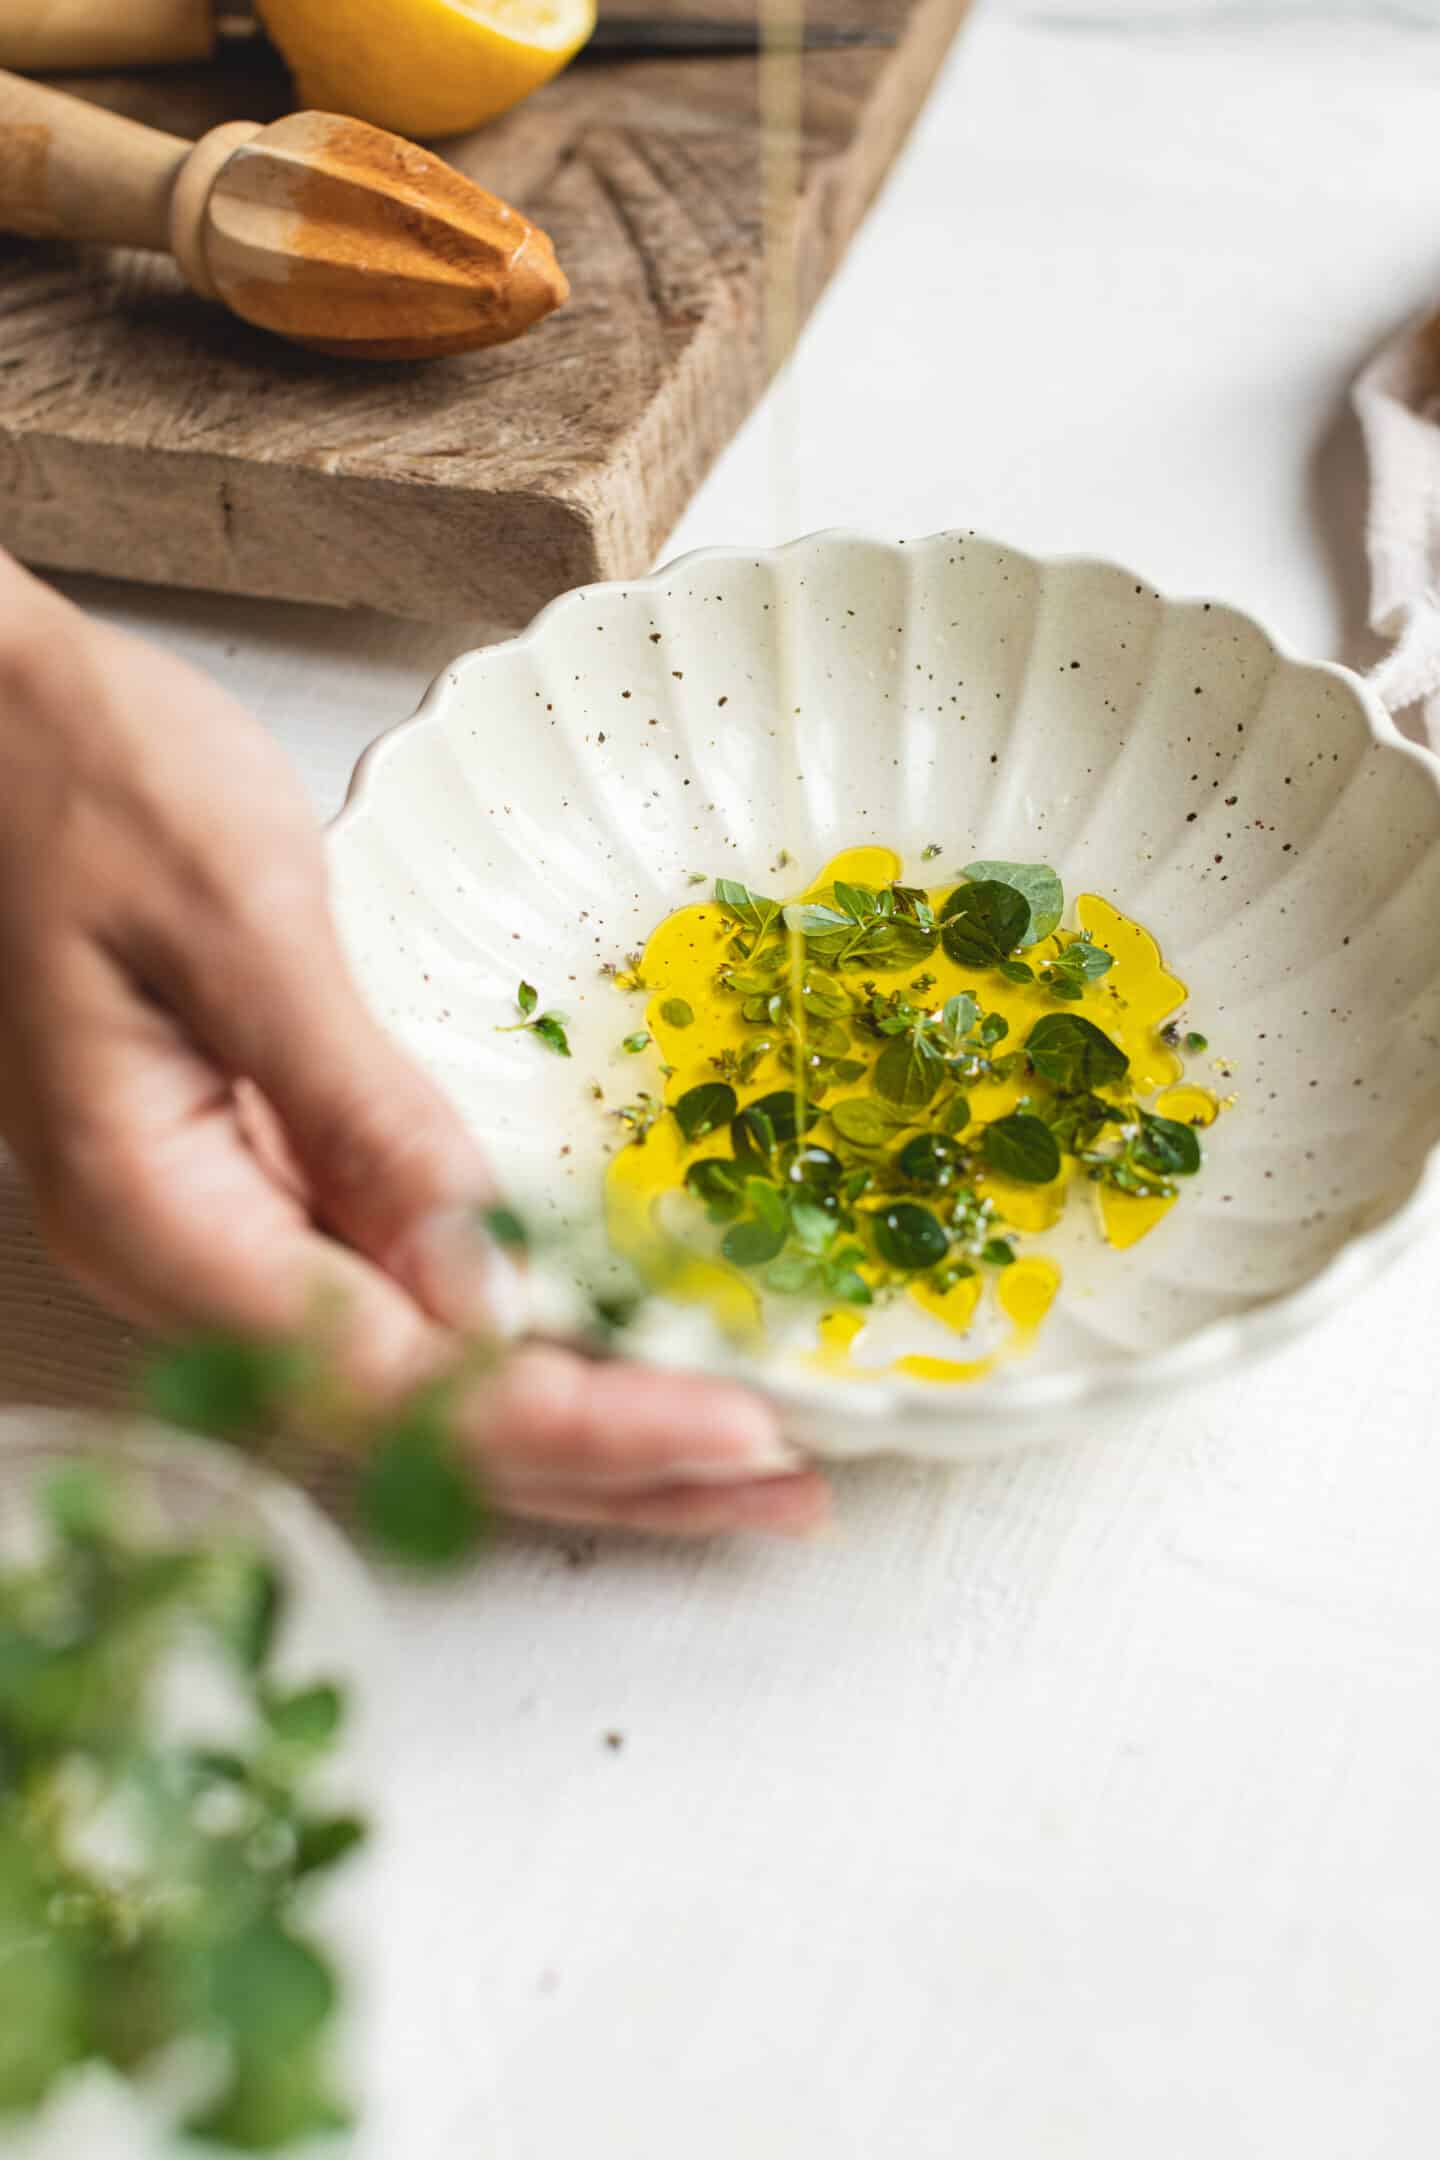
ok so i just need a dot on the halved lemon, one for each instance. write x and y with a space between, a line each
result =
425 67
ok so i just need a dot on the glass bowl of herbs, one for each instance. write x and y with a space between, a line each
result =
183 1882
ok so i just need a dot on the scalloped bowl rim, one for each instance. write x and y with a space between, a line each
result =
1267 1325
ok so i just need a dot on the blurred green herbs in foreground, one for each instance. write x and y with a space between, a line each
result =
152 1882
414 1497
152 1886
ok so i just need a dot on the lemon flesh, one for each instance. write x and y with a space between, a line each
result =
425 67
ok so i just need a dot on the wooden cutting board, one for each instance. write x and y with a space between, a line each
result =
146 435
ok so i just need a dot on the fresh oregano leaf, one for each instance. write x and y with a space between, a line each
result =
813 1226
527 998
929 1159
720 1184
814 921
1073 969
1072 1052
782 1116
676 1013
909 1237
309 1718
750 908
325 1840
982 924
812 1173
908 1071
704 1109
550 1029
767 1204
752 1244
1022 1147
959 1016
847 1284
856 901
1044 894
866 1122
954 1115
1165 1146
222 1386
415 1497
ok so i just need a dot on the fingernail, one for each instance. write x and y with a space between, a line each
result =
465 1277
743 1440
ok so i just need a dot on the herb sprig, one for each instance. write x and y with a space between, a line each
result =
546 1027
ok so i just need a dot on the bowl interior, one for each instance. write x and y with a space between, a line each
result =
557 795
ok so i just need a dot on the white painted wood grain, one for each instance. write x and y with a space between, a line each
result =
1084 1806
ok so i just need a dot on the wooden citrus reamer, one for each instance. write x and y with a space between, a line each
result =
324 230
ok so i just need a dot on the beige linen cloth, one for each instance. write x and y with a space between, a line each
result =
1397 398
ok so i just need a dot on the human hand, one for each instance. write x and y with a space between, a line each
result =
217 1133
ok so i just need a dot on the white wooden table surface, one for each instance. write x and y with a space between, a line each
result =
1088 1804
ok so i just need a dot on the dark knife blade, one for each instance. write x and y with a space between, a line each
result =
668 37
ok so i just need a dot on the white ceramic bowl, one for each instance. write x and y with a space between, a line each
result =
1261 815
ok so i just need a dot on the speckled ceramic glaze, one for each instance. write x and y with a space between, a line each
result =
1261 816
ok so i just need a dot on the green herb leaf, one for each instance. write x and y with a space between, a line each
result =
309 1719
676 1013
954 1115
981 925
1023 1147
767 1204
908 1071
750 908
814 1227
1073 969
550 1029
222 1387
720 1184
505 1226
1197 1043
704 1109
814 1168
527 998
1167 1147
243 1599
929 1159
269 1990
865 1122
751 1244
960 1015
812 920
1072 1052
793 1276
856 901
1043 893
850 1287
773 1121
909 1237
998 1252
636 1043
416 1499
325 1840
